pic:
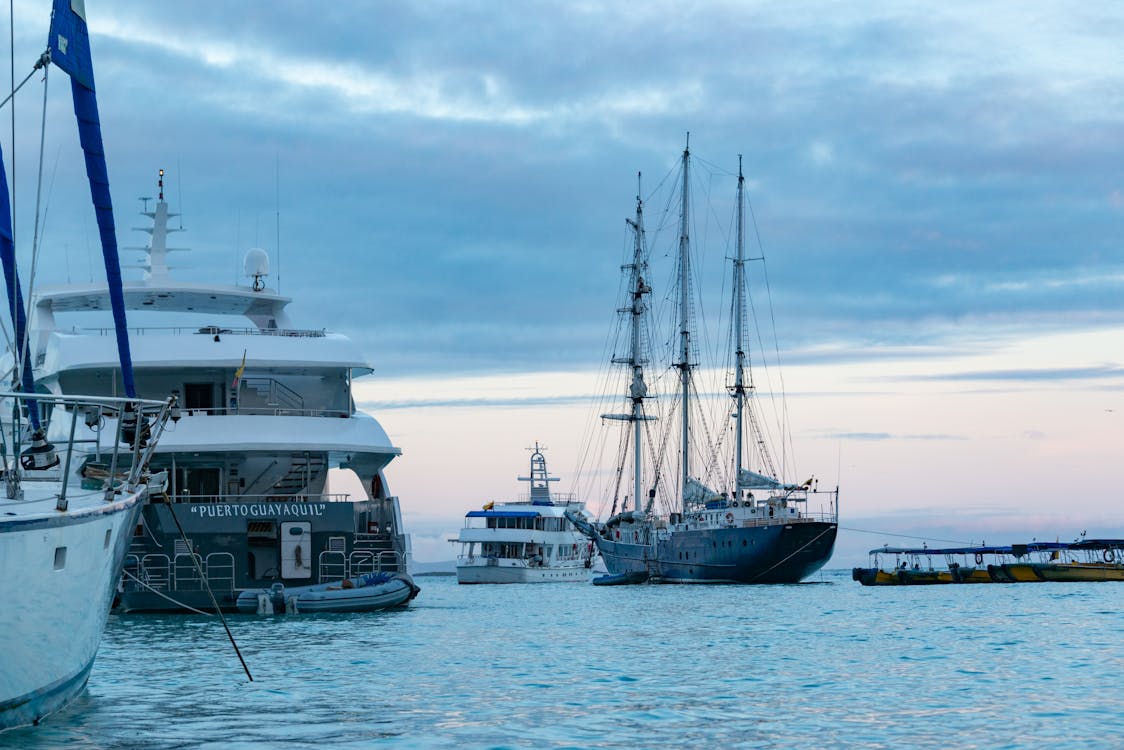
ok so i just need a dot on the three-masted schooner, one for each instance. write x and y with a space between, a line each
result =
757 531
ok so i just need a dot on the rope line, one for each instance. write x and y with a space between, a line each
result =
165 596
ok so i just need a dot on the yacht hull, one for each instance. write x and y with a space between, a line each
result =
249 546
521 574
776 553
54 612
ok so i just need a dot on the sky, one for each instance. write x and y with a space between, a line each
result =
938 191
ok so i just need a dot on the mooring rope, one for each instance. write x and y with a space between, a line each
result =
165 596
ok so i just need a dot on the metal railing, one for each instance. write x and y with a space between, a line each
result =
327 569
206 331
131 450
266 411
334 497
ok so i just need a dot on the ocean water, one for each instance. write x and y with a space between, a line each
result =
824 664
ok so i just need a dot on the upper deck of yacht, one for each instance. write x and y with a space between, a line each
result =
183 325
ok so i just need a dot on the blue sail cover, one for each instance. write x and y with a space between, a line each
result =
69 44
15 293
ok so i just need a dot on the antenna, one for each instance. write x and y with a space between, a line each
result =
277 205
179 189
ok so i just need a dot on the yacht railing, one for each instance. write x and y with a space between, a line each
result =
558 498
158 572
151 418
328 497
331 566
269 411
206 331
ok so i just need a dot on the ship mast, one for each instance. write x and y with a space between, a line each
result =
684 363
637 389
739 313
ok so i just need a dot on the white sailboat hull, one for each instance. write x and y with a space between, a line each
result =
53 611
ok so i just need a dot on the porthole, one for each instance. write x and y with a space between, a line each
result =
743 542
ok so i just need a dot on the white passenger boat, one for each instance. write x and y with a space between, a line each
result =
529 541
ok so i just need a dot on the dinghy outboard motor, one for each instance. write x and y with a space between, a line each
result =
41 455
277 596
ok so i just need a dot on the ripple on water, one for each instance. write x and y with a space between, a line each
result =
828 666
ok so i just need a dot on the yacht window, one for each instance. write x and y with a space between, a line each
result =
199 396
60 558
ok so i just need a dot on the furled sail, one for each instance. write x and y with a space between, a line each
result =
69 45
751 480
697 493
15 295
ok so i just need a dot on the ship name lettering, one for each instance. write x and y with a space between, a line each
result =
258 509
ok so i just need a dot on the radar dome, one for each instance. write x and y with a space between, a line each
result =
256 262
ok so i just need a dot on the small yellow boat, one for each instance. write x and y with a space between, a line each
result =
1076 571
1021 572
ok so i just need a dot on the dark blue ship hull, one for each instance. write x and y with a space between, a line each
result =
777 553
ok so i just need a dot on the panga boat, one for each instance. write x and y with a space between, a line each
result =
1083 560
914 566
365 593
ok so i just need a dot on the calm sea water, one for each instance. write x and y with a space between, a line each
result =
819 665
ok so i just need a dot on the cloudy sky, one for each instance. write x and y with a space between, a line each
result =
938 190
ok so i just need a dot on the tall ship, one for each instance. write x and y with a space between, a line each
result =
527 541
755 527
267 416
63 535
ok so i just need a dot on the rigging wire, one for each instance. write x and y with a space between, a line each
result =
38 201
906 536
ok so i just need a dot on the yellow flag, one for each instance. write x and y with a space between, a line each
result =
238 373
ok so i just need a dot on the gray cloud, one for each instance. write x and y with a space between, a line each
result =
454 176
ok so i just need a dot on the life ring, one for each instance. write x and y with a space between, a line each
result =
979 558
1109 556
730 518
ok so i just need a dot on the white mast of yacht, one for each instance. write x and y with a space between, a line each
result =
684 363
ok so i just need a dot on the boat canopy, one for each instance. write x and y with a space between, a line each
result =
1098 544
1018 550
501 514
984 550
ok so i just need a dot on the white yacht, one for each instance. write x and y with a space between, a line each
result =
528 541
267 413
